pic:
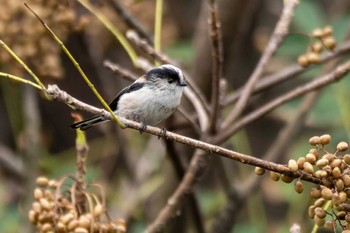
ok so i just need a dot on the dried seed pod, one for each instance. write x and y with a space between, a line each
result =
326 193
317 32
308 168
336 199
61 228
313 57
317 47
32 216
311 211
80 230
298 186
274 176
53 184
325 139
84 221
315 193
347 217
311 158
336 163
65 219
42 181
336 173
286 179
315 140
98 210
346 159
327 31
45 204
46 227
319 212
341 215
293 166
329 157
319 221
346 180
73 224
300 162
329 42
315 152
322 162
339 184
38 193
36 207
259 171
319 202
342 146
303 61
321 174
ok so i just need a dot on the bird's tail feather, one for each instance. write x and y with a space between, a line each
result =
84 125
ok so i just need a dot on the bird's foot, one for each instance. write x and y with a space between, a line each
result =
162 133
143 127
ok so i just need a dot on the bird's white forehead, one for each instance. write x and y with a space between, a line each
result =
168 66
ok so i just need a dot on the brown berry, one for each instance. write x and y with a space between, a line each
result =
319 221
313 57
342 146
317 32
317 47
321 174
293 166
308 168
326 193
346 180
301 162
42 181
259 171
80 230
319 212
274 176
286 179
329 42
315 193
98 210
303 61
321 163
298 186
311 211
327 31
336 173
311 158
38 193
32 216
325 139
346 159
319 202
314 140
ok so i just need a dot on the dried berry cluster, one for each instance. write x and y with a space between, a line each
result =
332 195
26 36
323 40
54 210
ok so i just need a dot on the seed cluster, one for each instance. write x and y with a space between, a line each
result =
323 39
55 210
24 34
332 195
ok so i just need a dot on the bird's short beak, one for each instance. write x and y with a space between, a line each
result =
183 83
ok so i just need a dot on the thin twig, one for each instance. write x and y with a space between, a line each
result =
334 76
130 21
124 73
276 39
77 66
217 63
287 73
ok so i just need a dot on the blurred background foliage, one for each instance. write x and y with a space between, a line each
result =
135 169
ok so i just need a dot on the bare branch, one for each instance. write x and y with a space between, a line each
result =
287 73
276 39
334 76
217 63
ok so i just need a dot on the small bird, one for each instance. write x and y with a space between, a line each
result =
152 98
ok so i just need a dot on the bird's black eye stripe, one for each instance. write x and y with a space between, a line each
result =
163 74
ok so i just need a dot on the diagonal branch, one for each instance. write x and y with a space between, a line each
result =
277 38
287 73
334 76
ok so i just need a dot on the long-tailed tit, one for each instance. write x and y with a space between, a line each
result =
151 99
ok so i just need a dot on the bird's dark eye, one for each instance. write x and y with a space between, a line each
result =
170 80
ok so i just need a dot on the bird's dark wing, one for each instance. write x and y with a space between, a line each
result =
133 87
